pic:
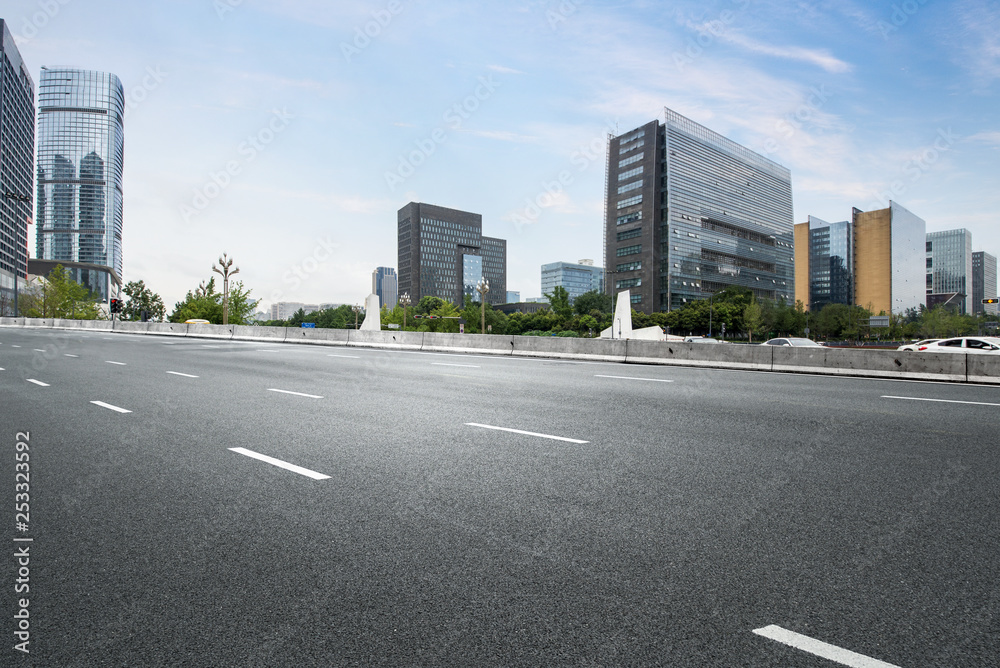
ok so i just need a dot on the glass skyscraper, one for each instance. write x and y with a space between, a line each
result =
577 278
984 281
17 150
690 212
824 263
384 285
80 156
949 268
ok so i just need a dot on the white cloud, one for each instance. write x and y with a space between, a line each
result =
819 57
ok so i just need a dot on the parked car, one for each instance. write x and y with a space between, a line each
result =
197 321
912 347
795 341
701 339
964 344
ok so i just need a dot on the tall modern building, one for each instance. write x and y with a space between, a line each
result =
513 297
949 269
889 249
690 212
824 263
80 155
443 253
984 282
384 285
576 278
17 154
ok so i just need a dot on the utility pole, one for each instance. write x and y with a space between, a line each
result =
225 262
483 287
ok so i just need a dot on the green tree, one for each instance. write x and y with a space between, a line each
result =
592 301
559 300
753 318
59 296
428 304
206 304
141 298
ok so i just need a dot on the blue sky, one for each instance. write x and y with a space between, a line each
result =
321 119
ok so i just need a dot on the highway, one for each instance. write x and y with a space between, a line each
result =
207 503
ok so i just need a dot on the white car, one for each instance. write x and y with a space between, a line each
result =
911 347
795 341
964 344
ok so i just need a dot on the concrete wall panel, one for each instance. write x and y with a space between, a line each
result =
602 350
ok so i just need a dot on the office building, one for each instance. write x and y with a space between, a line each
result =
984 282
513 297
824 263
575 278
949 269
889 247
690 212
443 253
384 285
80 155
285 310
17 154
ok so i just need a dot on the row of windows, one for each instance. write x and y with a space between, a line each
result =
629 186
629 160
628 283
630 173
628 250
625 149
632 136
630 201
629 266
629 234
629 218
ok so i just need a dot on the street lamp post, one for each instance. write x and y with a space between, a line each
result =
483 287
710 297
17 268
404 301
357 310
226 270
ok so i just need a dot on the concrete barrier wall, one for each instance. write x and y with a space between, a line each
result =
602 350
11 322
386 339
468 343
250 333
38 322
721 355
983 368
95 325
167 328
128 327
317 336
210 331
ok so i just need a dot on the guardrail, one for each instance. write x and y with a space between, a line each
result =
952 367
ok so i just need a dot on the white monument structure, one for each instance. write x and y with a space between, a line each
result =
621 324
373 315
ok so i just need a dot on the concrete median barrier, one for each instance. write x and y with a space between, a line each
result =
386 339
791 359
983 368
251 333
90 325
720 355
198 331
128 327
167 328
600 350
11 322
468 343
317 336
38 322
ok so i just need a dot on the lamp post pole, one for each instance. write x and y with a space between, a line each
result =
483 287
17 267
357 310
404 301
710 297
225 269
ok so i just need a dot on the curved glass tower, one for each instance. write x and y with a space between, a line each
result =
80 154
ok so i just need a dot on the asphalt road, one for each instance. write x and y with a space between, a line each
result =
691 517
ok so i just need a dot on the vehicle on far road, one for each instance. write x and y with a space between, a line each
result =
964 344
701 339
912 347
197 321
794 341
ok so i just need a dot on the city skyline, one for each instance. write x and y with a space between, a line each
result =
229 142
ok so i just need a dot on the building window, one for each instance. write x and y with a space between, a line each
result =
630 173
629 218
628 250
629 266
630 201
629 186
625 162
628 283
625 149
630 234
635 299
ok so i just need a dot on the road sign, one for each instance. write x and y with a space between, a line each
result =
311 325
878 321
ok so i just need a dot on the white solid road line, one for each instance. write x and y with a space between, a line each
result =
298 394
118 363
526 433
39 350
350 357
280 464
68 355
178 373
13 346
943 401
467 366
110 407
655 380
37 382
821 649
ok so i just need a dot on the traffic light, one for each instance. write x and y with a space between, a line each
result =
116 306
991 301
